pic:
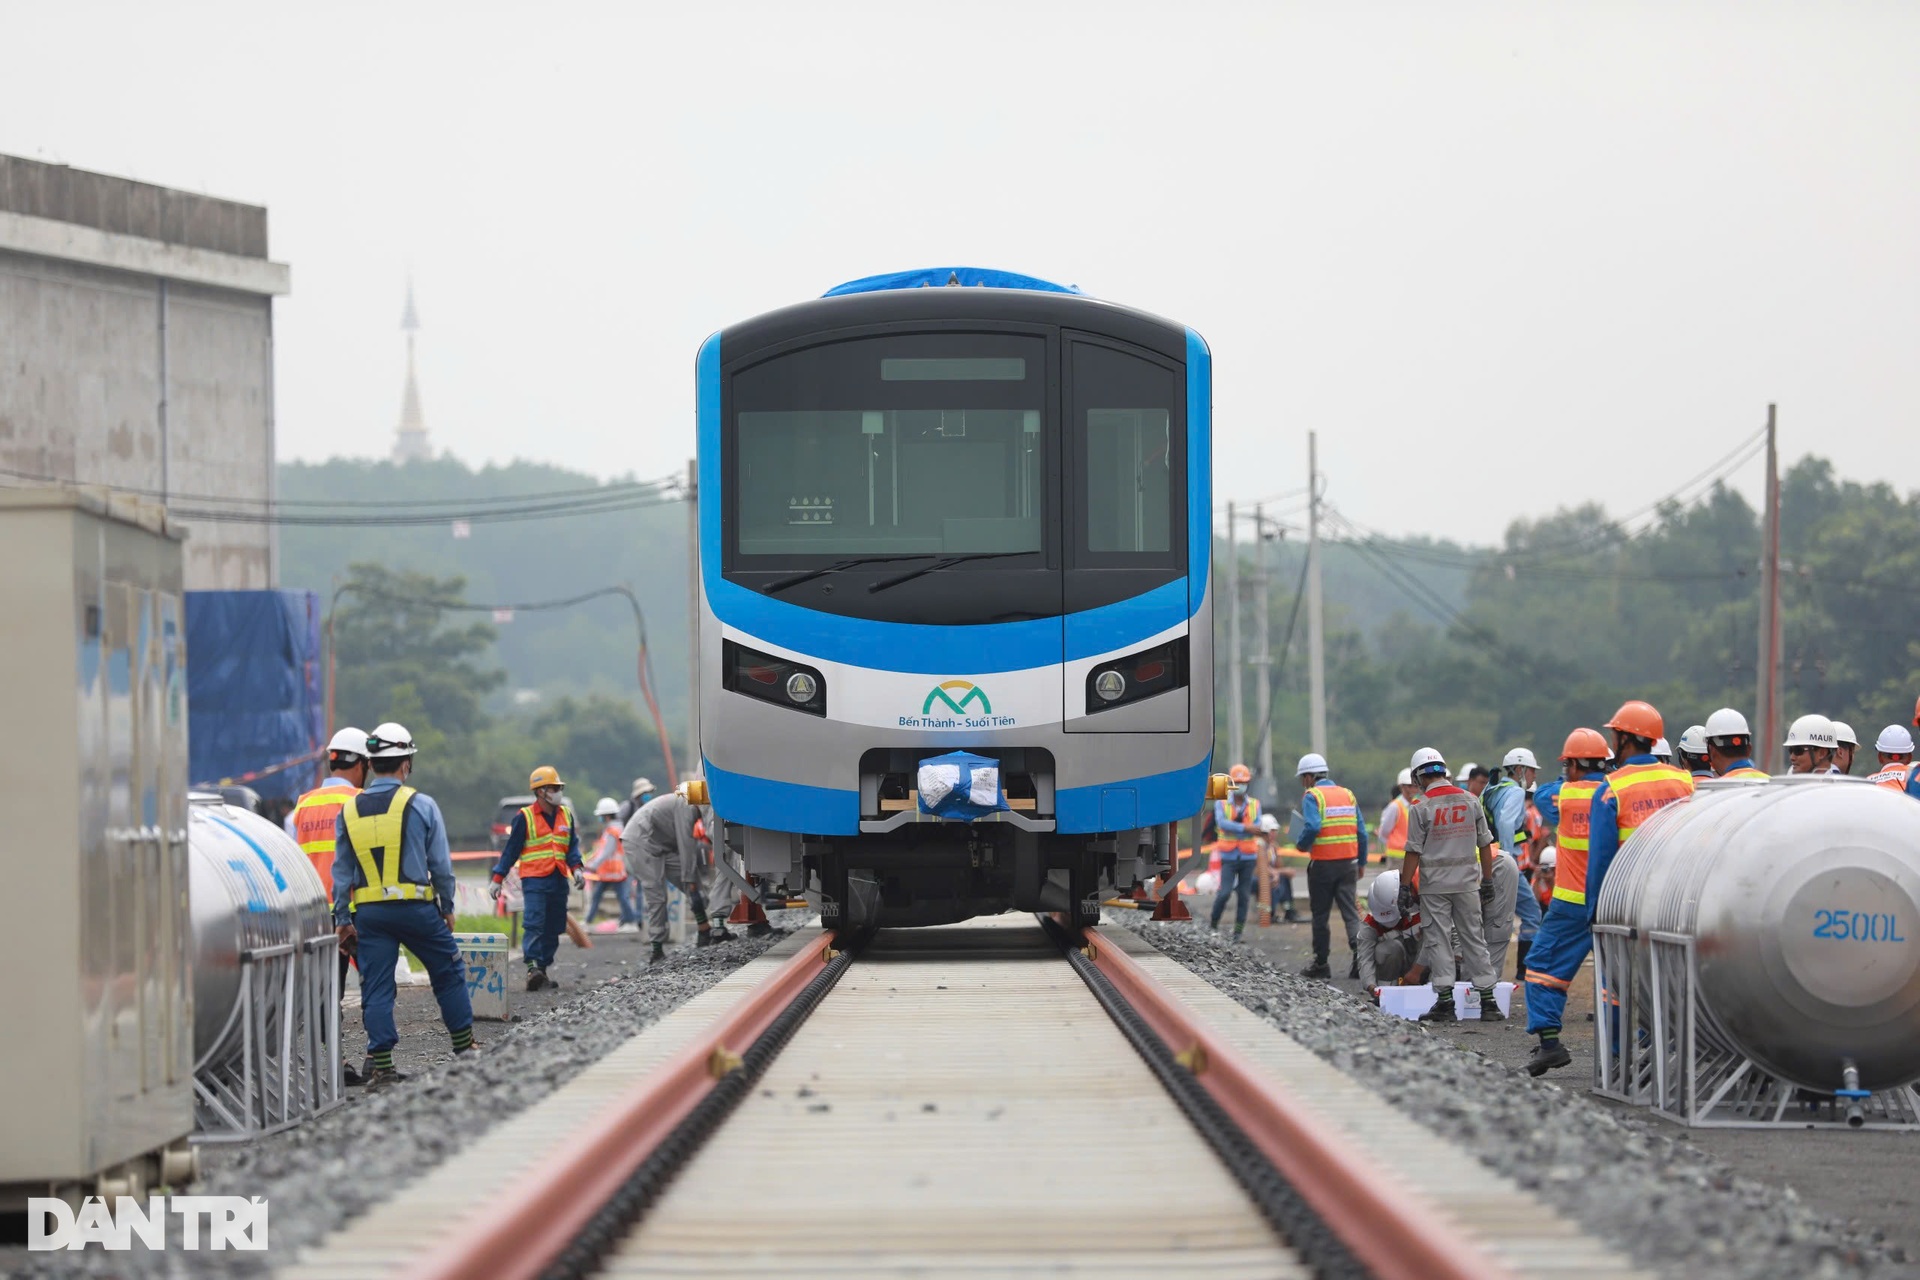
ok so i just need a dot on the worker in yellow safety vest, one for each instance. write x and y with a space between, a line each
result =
393 887
315 817
543 843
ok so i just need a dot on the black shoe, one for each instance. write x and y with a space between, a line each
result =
1490 1007
385 1078
1353 969
1291 917
720 933
761 929
1318 969
1547 1055
1442 1011
537 979
658 955
354 1079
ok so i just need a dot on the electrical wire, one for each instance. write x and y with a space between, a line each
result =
494 515
612 488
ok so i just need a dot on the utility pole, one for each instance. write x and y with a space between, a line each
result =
1767 705
1262 655
1316 632
1236 726
695 762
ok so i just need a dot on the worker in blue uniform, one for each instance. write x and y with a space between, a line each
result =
393 887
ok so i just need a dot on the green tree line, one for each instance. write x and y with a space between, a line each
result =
1575 612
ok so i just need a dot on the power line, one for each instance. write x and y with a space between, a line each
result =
613 488
493 515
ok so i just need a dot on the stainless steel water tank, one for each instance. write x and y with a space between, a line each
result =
251 888
1803 897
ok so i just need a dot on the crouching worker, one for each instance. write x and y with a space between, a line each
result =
1389 940
393 887
1280 876
660 834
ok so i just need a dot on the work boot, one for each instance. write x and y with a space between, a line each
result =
385 1078
1490 1007
658 955
349 1077
705 938
761 929
1547 1055
1236 937
1442 1011
723 934
1293 917
1318 969
536 979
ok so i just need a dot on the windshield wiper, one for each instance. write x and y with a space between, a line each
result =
947 563
794 580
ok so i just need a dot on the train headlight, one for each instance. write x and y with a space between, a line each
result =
1123 681
781 681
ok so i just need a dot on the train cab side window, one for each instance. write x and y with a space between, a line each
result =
1132 457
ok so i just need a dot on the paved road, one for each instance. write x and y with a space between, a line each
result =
1872 1178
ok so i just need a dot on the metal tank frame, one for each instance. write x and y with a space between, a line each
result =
274 1061
1659 1041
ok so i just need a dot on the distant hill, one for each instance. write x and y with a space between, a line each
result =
588 648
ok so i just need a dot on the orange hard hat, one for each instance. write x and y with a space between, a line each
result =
545 776
1584 744
1240 773
1639 719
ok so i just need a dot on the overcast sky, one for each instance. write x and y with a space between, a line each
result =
1501 257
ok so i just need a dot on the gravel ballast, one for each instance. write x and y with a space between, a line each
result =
318 1175
1623 1178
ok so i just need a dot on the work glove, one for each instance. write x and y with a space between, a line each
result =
1407 900
579 883
493 891
1486 890
349 938
1373 994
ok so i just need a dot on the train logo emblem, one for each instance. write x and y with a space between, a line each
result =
957 704
955 695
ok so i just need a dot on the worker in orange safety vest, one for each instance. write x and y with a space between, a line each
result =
1894 749
1622 803
316 817
1236 819
544 844
607 866
1335 842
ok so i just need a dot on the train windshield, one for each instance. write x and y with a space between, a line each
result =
906 445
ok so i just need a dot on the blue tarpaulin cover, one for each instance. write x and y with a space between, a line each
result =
960 785
938 277
254 687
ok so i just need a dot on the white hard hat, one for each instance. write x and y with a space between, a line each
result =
1549 856
1811 731
641 787
1843 734
1662 750
1694 740
1424 759
1520 757
606 807
1466 771
1727 723
1269 823
348 741
390 740
1405 779
1894 740
1310 763
1383 898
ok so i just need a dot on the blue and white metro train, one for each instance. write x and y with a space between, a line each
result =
942 518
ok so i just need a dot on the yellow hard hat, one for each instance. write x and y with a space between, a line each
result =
545 776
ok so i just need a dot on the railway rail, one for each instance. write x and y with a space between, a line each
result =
995 1098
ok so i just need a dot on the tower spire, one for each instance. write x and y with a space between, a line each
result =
411 438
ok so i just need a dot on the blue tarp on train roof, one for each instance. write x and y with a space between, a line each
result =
254 687
938 277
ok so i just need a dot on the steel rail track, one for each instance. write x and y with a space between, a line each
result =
1317 1194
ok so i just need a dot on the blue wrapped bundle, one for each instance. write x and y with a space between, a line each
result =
961 786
